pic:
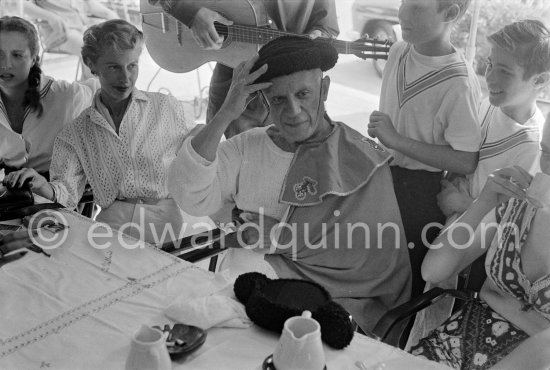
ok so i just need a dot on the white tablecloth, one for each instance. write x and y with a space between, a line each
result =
80 308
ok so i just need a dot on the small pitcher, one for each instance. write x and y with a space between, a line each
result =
300 346
148 351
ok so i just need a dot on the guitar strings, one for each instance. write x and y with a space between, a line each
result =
256 35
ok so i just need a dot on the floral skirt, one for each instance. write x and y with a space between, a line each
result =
475 337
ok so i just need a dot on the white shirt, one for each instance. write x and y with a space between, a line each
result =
249 169
62 102
506 143
433 100
132 164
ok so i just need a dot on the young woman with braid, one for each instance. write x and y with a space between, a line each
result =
33 107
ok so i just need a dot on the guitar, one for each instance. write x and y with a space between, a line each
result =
171 45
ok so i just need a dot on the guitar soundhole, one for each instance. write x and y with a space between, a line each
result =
222 29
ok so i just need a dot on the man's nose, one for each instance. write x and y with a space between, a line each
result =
294 106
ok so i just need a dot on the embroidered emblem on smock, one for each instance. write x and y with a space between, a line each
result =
301 189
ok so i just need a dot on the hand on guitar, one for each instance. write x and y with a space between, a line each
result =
315 33
203 29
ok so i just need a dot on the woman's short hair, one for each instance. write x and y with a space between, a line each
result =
528 41
114 34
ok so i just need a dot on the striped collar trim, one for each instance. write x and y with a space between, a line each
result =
407 91
46 83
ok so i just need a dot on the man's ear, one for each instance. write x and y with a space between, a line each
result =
325 84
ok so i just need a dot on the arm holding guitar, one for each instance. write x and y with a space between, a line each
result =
199 19
203 29
323 20
184 11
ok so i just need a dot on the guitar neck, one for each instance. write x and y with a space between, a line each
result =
261 36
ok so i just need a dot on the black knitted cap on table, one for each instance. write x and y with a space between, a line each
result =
289 54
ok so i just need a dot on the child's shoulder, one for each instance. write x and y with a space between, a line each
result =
399 47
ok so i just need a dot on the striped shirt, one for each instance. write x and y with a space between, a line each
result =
132 164
506 143
433 100
62 102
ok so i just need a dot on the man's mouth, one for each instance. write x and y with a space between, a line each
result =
6 76
294 124
121 88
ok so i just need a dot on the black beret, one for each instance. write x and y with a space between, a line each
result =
289 54
270 302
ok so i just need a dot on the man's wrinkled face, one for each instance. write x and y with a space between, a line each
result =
295 101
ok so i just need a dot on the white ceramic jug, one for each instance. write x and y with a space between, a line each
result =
148 351
300 346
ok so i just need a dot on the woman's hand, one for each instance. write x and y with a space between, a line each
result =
504 184
37 182
242 88
16 179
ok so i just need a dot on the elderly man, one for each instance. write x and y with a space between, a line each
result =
320 192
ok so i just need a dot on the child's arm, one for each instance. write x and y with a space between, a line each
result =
443 157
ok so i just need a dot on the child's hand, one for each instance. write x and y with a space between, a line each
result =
451 200
381 127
